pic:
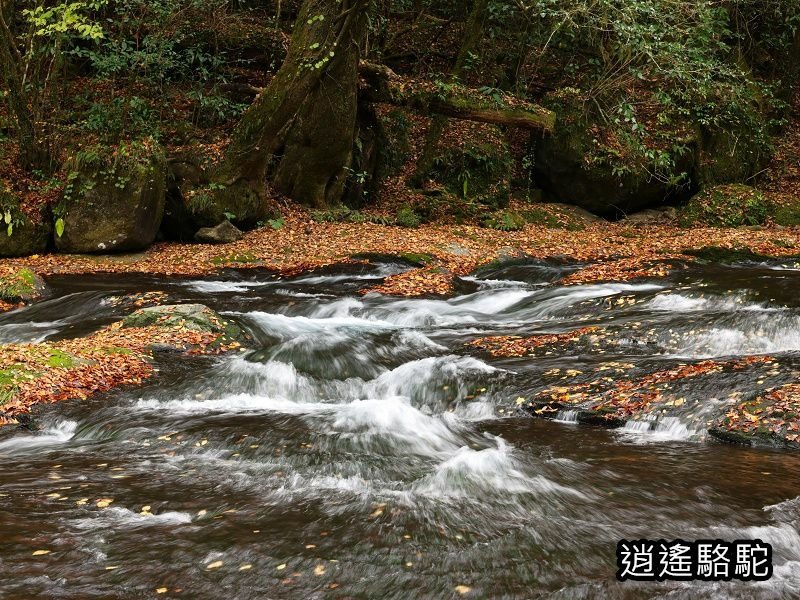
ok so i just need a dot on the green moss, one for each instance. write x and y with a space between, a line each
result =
11 378
715 254
114 351
60 359
731 205
787 215
244 258
417 258
544 218
406 217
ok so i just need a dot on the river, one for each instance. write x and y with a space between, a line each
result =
362 450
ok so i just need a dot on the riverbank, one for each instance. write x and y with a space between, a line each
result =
618 251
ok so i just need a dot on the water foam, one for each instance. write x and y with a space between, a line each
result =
58 434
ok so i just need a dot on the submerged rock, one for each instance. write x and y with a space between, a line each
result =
224 233
112 204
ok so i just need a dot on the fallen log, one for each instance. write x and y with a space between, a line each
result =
382 85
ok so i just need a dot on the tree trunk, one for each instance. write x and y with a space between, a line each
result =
472 35
299 132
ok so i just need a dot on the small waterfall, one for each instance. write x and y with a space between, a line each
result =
567 416
659 429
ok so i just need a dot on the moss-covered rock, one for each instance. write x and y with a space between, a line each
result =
505 220
731 205
112 203
787 213
20 234
474 163
724 157
188 317
585 164
194 202
22 285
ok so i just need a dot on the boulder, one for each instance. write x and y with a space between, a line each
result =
112 203
194 202
473 162
23 235
224 233
724 156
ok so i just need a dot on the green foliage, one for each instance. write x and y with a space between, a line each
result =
727 206
407 217
130 117
67 18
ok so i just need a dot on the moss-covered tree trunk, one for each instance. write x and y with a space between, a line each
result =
299 132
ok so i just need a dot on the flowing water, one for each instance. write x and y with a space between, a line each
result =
361 450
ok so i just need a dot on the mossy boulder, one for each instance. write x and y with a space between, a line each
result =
193 201
22 234
190 317
22 285
787 213
586 164
731 205
723 157
474 162
112 202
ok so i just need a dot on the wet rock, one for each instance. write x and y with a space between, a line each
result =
22 285
112 204
224 233
190 317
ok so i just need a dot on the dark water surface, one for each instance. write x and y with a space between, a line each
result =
362 451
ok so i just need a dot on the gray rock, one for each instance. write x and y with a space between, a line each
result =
27 236
113 206
224 233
